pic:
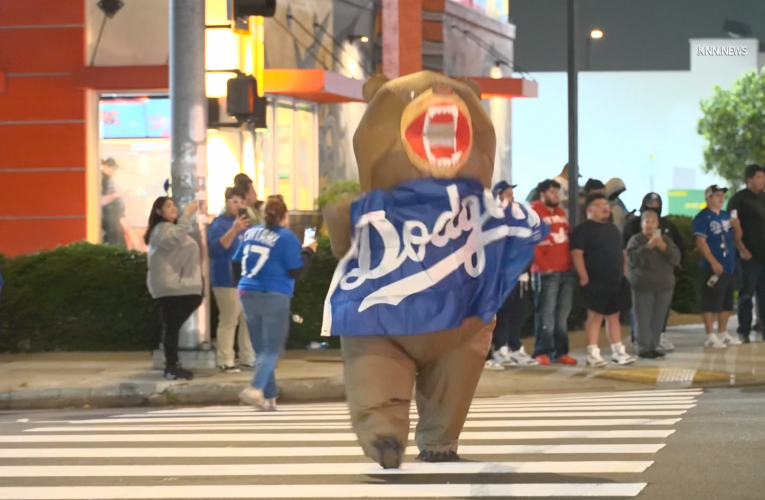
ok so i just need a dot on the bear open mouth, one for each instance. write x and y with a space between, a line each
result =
440 135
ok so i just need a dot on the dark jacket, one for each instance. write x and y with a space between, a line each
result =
668 228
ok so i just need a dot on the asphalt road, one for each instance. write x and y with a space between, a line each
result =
674 444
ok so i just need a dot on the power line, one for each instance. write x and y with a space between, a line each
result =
317 25
307 48
321 45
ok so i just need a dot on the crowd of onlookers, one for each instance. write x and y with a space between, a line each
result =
628 264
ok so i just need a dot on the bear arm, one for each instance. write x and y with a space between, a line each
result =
337 217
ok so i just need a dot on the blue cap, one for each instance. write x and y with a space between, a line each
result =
501 186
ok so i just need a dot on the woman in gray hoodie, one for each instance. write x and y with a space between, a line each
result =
175 275
651 260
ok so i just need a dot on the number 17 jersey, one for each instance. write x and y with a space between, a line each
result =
266 256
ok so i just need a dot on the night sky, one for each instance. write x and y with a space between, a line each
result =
639 35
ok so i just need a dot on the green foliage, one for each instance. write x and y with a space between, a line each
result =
687 297
734 127
336 190
79 297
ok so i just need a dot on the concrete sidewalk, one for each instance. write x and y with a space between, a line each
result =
62 380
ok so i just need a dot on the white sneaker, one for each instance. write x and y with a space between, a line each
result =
594 358
520 357
713 342
502 356
620 357
665 345
493 365
728 340
253 397
270 405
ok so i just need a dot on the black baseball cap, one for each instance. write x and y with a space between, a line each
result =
714 188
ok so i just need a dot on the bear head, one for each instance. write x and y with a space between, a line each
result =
423 125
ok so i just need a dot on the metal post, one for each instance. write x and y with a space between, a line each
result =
573 113
188 137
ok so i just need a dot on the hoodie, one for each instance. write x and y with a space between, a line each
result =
552 255
668 228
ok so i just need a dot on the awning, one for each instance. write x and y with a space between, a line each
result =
506 87
306 84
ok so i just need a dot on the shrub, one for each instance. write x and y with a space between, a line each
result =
336 190
687 297
79 297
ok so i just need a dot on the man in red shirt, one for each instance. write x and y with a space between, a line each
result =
552 279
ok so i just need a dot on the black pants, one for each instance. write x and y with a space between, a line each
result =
175 311
511 317
752 286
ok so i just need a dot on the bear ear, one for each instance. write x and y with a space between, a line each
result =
372 85
470 83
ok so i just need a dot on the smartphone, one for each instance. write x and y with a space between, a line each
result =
242 212
309 236
657 232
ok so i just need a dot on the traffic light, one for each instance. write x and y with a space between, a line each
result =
243 103
246 8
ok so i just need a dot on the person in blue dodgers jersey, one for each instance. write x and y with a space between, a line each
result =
713 233
428 256
266 264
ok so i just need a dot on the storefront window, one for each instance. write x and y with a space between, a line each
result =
284 147
134 151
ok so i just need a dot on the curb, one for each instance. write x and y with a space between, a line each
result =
136 394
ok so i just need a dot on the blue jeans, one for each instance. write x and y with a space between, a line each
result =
268 321
752 285
553 294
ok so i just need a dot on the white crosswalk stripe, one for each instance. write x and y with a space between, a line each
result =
309 451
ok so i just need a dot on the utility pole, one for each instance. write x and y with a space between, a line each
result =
573 117
188 141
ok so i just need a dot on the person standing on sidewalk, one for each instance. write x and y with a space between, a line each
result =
223 239
713 233
552 280
747 212
507 349
269 260
251 202
651 261
175 275
599 261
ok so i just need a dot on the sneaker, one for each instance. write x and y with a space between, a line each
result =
502 356
253 397
648 355
493 365
620 356
178 373
665 345
249 365
728 340
594 358
713 342
270 404
566 360
520 357
659 353
229 369
543 359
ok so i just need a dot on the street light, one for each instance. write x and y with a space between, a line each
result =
595 34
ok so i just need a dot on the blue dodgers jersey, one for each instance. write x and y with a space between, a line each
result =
427 255
266 256
717 229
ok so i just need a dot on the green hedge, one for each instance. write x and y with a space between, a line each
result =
84 297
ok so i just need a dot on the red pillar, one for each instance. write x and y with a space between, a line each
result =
402 37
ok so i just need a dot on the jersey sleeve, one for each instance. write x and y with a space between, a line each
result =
700 228
291 251
239 252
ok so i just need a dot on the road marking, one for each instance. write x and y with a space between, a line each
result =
325 437
593 422
323 491
323 451
324 469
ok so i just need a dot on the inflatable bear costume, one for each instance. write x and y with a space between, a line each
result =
427 256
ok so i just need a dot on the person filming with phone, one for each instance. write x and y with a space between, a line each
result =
651 260
267 262
713 232
223 238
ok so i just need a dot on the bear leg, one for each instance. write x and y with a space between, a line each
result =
379 380
445 387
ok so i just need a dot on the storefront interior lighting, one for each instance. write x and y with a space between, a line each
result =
360 38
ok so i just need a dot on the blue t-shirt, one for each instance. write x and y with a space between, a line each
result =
717 230
266 256
220 258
